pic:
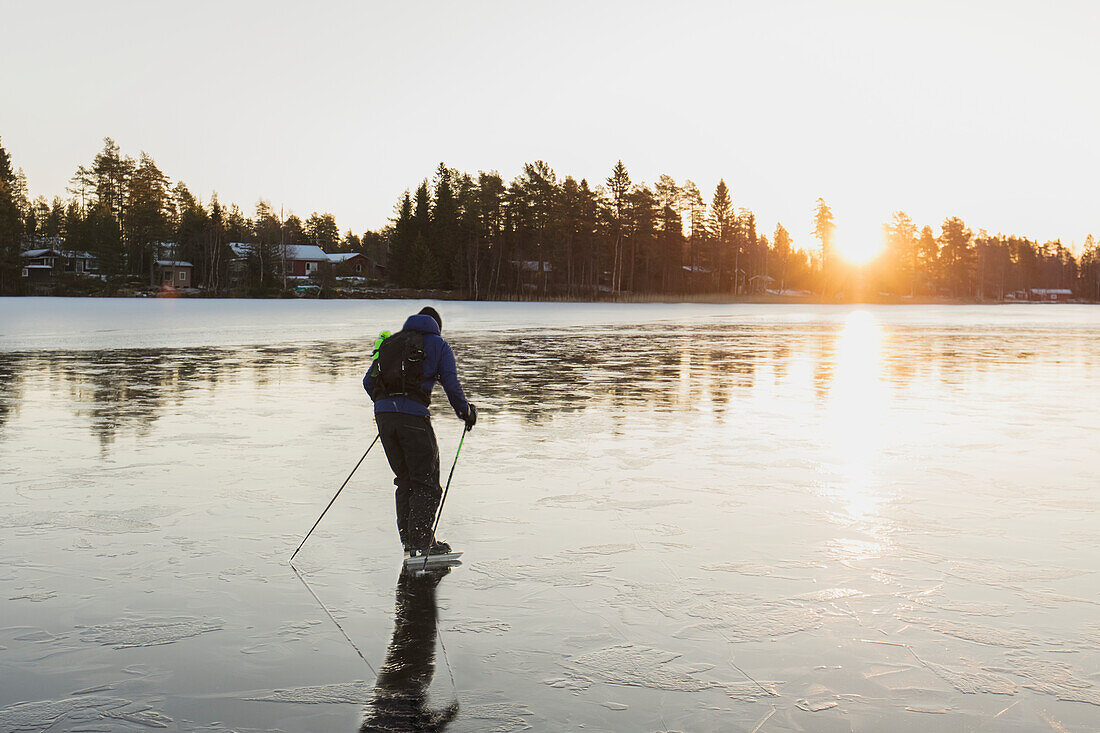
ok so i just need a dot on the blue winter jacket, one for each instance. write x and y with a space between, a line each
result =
439 366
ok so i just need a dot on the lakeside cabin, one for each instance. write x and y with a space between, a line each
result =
302 260
351 264
177 273
1050 295
40 267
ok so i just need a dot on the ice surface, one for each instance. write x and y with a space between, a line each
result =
892 510
36 596
148 632
80 711
1007 637
816 706
972 681
497 717
737 620
1054 678
642 666
337 692
486 626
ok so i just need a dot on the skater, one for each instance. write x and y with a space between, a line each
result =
405 368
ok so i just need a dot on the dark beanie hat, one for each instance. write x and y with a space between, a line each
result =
429 311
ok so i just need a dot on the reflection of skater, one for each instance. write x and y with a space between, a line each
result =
399 701
400 380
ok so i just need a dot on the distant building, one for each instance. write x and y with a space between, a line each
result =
41 266
760 283
351 264
302 260
1049 295
177 273
532 273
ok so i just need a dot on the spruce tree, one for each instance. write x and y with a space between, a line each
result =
722 225
825 231
148 208
11 226
618 183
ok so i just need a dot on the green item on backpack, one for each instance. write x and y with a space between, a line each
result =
398 368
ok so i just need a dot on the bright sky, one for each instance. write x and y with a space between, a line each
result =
984 110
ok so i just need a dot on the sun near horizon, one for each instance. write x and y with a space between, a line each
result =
859 245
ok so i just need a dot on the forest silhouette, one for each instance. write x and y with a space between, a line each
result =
535 237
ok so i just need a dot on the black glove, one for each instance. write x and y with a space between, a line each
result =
471 416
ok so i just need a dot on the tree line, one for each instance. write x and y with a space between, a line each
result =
128 214
534 237
538 236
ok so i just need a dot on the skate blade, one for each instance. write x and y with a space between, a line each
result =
432 560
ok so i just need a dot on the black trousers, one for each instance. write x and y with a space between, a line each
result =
410 446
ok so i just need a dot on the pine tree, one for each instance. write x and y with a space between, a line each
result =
11 226
825 231
321 230
149 211
902 251
643 236
442 239
722 226
671 237
618 183
268 256
692 200
350 242
589 229
781 242
957 255
747 244
401 242
928 255
294 231
109 177
491 219
99 233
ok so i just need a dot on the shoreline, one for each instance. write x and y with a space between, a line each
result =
702 298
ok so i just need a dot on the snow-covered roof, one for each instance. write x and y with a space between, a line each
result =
305 252
308 252
174 263
533 265
71 254
37 267
342 256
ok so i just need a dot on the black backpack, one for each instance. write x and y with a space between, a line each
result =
398 368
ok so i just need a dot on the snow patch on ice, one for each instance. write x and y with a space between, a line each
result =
481 627
972 681
1052 678
148 632
1012 639
642 666
337 692
86 709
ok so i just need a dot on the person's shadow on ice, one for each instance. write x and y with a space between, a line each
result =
399 701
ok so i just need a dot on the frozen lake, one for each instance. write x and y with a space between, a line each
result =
675 518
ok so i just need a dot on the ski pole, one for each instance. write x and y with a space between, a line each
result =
376 437
439 514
